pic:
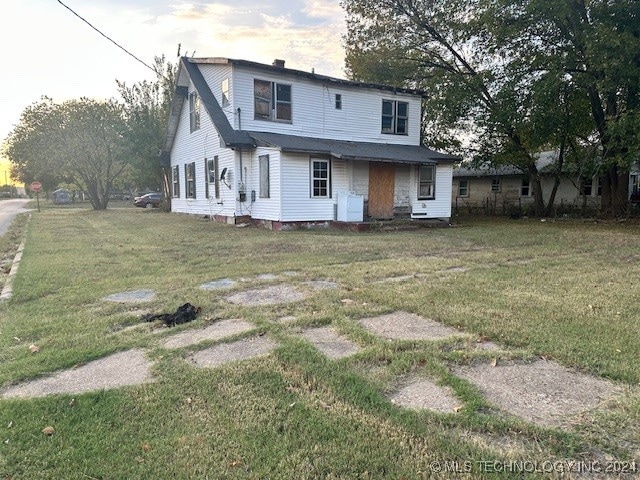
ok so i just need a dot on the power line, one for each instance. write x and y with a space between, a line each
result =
110 39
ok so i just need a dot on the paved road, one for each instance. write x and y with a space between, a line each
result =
8 211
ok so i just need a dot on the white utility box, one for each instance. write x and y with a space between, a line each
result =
350 207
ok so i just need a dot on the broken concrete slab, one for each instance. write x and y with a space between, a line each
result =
134 296
541 392
121 369
276 294
329 342
216 331
421 393
218 284
408 326
230 352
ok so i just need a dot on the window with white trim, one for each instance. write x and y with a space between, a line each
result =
395 117
463 188
320 170
212 177
175 182
194 111
338 101
263 167
495 185
426 182
525 188
190 179
271 101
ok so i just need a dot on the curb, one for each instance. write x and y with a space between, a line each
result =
7 291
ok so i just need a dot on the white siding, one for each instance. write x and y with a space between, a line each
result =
263 208
440 207
196 147
314 113
297 204
360 181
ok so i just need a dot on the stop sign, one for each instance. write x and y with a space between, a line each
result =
35 186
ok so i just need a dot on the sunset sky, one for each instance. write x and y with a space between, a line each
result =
50 51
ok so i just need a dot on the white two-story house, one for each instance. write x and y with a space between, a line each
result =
264 143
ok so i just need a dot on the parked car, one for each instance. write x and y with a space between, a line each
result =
148 200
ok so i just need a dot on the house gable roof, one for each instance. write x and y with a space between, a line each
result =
324 79
232 138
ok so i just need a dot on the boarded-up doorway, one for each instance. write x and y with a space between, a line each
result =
382 179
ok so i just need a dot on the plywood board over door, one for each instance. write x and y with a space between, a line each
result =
382 178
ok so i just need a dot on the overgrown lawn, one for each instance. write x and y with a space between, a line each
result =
563 290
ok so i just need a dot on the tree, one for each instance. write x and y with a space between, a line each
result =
510 76
80 141
146 109
598 42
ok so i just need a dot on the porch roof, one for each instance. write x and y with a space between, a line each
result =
346 150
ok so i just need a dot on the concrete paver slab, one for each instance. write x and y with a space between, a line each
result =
329 342
121 369
424 394
216 331
230 352
408 326
272 295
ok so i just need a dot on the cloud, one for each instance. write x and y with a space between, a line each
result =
307 38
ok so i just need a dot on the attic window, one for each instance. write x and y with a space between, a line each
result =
272 101
194 111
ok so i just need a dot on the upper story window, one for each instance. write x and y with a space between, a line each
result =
338 101
194 111
272 101
395 117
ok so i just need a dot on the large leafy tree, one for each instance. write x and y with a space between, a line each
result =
597 46
78 141
146 109
500 74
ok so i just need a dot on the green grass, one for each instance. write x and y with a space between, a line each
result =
563 290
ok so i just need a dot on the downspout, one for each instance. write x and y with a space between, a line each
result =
241 194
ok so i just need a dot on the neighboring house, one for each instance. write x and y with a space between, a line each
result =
61 196
506 189
263 143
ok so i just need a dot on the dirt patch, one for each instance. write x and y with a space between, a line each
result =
542 392
273 295
221 329
118 370
231 352
420 393
408 326
133 296
329 342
